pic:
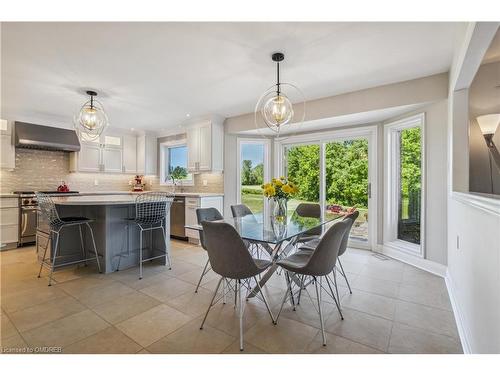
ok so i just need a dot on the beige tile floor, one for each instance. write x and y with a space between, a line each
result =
394 308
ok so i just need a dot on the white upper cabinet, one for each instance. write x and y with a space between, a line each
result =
129 154
104 154
7 150
205 142
147 150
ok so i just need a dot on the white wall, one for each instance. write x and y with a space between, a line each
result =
474 273
473 277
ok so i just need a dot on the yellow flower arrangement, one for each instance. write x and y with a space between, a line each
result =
279 188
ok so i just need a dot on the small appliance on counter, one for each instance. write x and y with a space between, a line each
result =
138 183
63 188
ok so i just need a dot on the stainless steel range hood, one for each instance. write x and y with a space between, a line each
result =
45 137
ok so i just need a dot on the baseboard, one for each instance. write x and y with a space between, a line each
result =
461 327
424 264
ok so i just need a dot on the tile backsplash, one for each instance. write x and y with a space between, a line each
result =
44 170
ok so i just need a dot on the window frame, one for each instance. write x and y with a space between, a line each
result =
164 162
392 184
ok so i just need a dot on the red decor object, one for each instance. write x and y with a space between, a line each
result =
63 188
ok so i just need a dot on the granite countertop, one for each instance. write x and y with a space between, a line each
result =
95 200
180 194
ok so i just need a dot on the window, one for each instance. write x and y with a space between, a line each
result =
253 172
403 214
174 161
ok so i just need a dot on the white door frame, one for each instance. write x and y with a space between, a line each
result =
267 164
322 138
391 183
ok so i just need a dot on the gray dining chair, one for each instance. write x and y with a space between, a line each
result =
241 210
206 214
311 245
151 210
230 259
309 210
56 225
318 265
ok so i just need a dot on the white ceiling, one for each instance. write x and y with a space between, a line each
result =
150 75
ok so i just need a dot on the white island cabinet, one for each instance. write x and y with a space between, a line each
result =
205 143
9 222
192 203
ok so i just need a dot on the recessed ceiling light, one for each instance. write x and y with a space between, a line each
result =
188 115
132 129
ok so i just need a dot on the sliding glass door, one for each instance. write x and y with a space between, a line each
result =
336 170
347 184
302 167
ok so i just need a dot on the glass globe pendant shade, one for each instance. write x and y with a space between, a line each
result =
277 111
91 120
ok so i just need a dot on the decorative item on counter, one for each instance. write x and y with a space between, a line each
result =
138 183
63 188
280 190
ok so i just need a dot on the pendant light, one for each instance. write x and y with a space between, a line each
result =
274 107
91 121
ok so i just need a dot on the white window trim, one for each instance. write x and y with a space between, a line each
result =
267 165
163 147
391 183
322 138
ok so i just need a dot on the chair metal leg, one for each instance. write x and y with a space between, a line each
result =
223 290
318 297
282 302
203 274
241 314
334 299
289 283
167 252
345 276
140 255
82 246
335 283
302 278
211 302
54 259
95 248
264 299
43 259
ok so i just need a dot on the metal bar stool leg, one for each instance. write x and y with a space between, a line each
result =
140 255
95 248
318 296
54 258
167 251
84 252
43 259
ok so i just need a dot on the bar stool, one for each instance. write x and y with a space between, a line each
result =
151 210
56 224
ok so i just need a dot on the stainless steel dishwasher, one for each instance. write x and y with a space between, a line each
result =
178 218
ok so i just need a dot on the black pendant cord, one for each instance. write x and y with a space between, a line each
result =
91 101
278 78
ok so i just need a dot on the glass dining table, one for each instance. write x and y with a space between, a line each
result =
276 238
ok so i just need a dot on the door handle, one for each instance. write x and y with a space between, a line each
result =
369 190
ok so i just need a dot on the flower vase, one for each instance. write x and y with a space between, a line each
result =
280 211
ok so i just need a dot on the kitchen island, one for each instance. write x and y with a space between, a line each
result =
116 235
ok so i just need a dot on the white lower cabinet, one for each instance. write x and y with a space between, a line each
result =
200 202
9 223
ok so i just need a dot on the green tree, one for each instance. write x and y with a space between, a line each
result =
246 172
303 170
257 175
